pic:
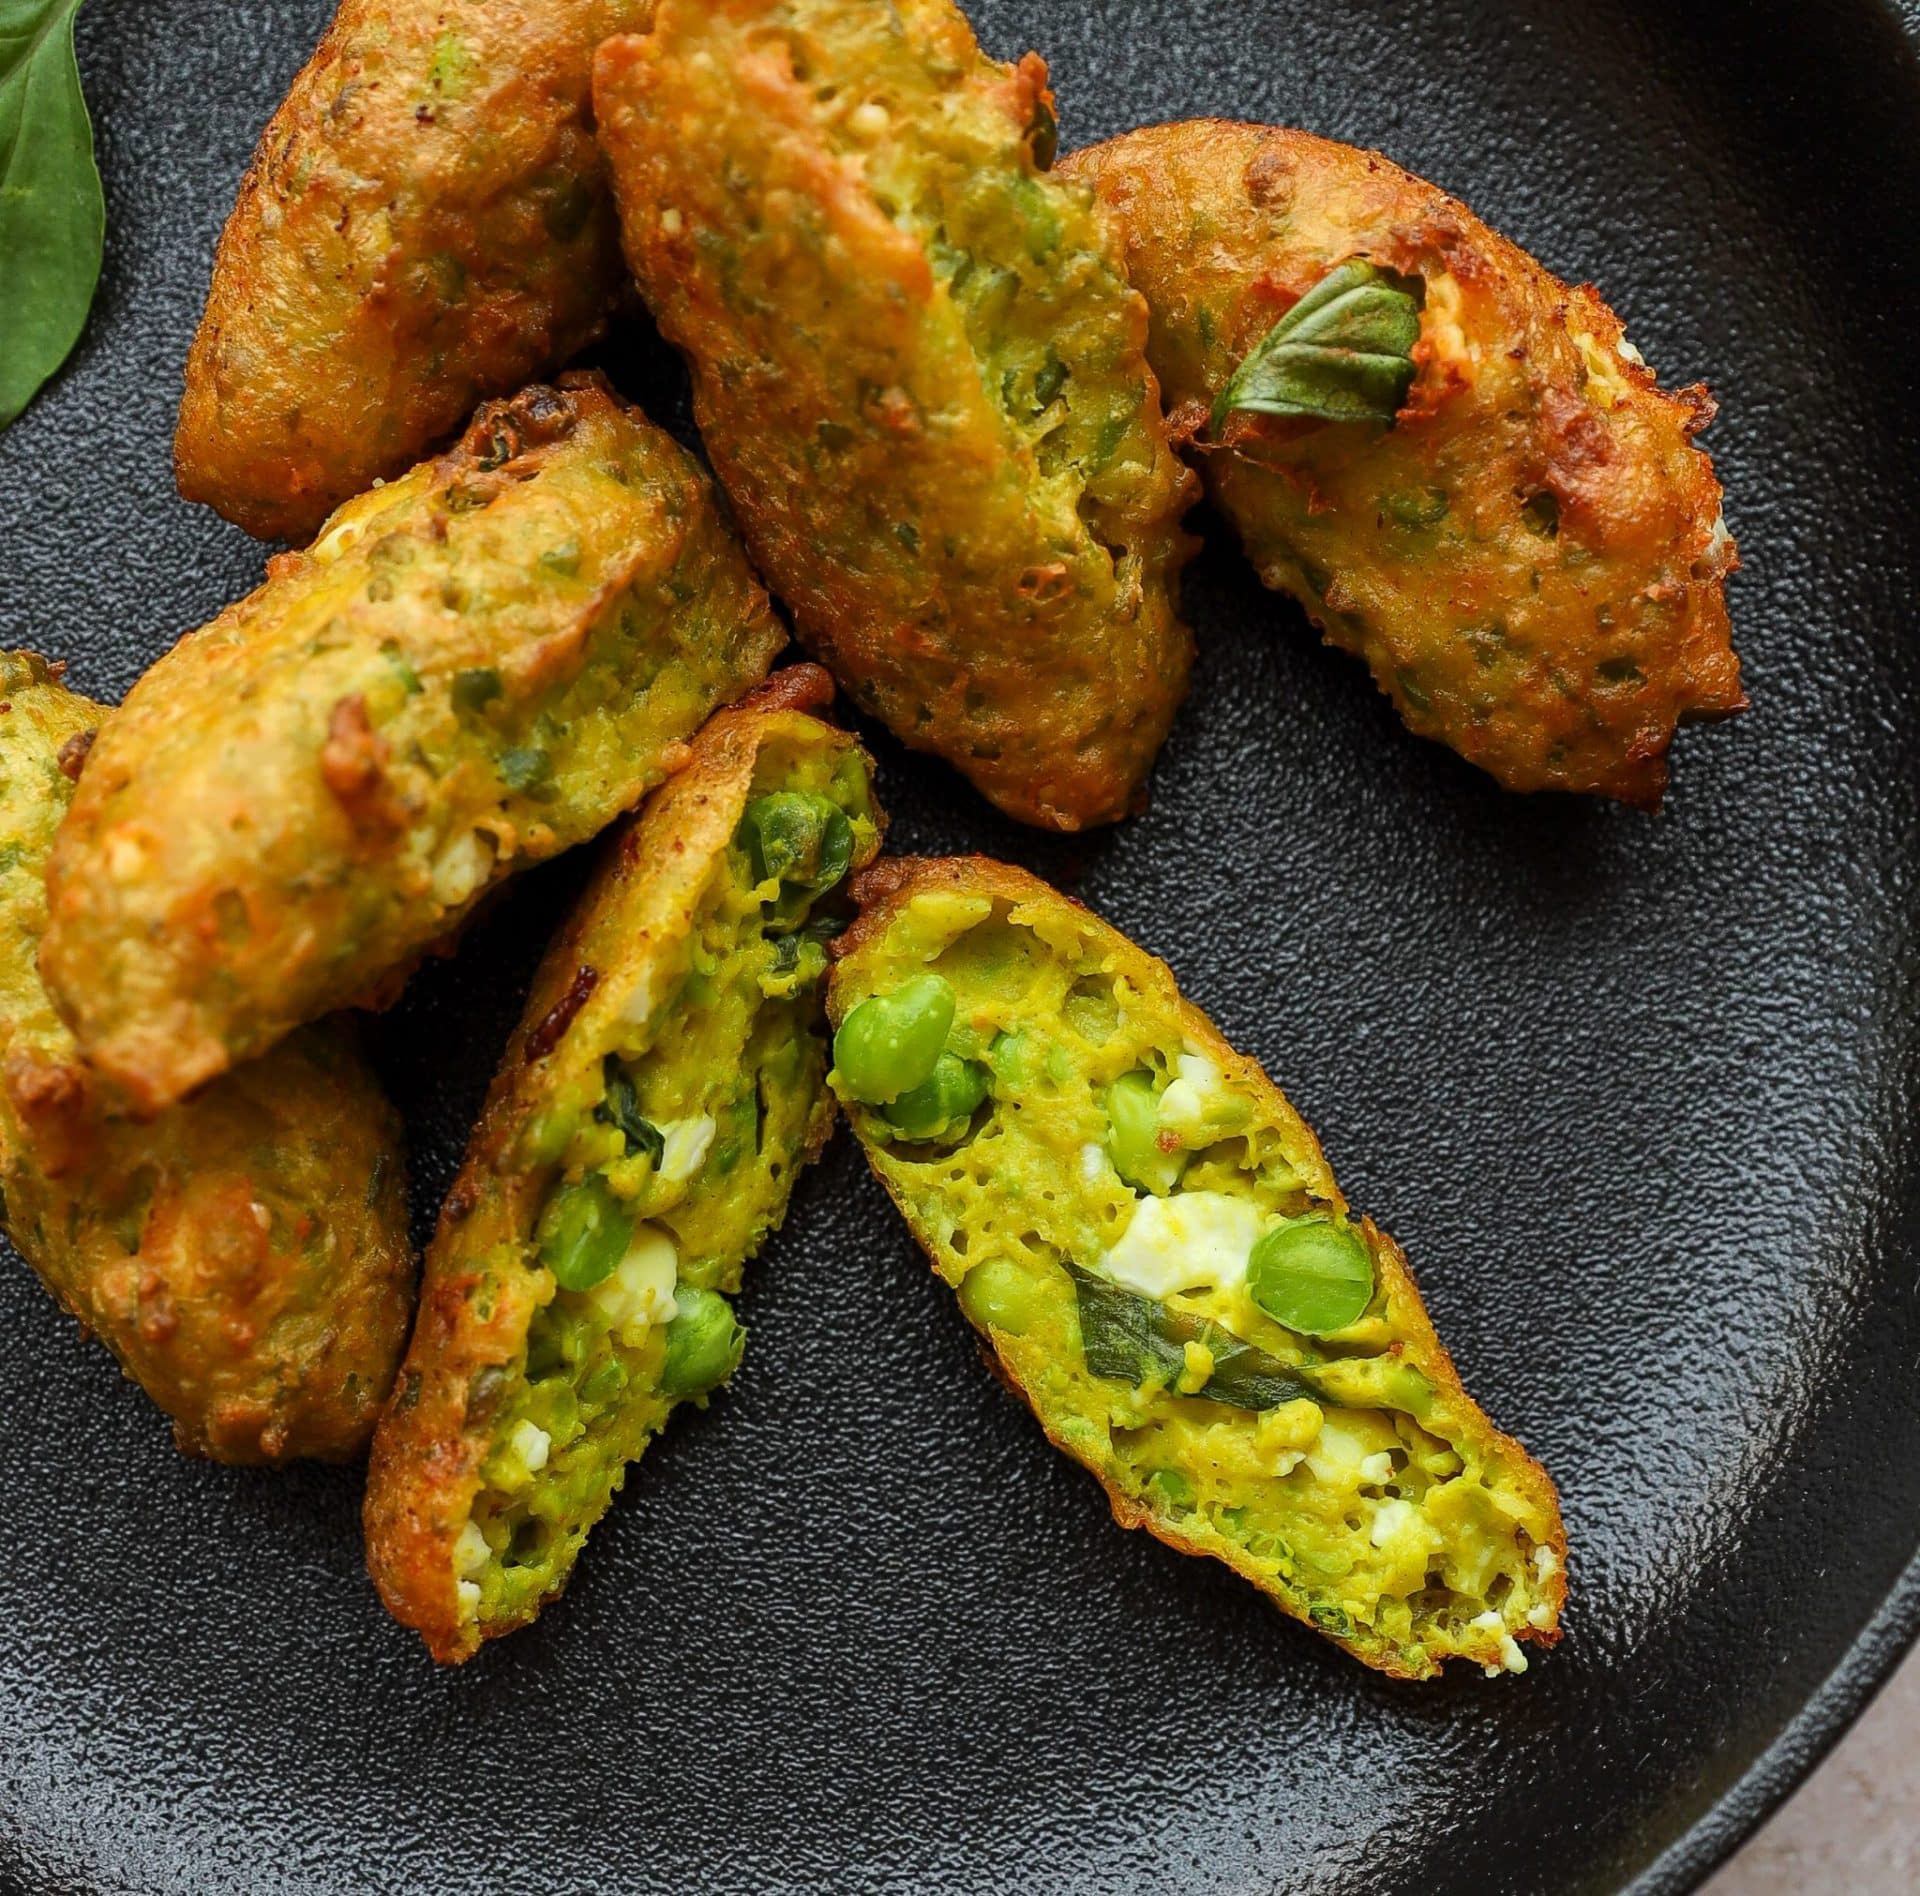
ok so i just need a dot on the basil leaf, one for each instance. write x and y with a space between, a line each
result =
52 212
621 1108
1132 1339
1342 353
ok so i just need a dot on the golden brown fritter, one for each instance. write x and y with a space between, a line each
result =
919 371
245 1256
470 670
1157 1257
425 223
666 1087
1531 558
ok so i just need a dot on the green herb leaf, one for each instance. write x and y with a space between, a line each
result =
52 211
1342 353
1132 1339
621 1108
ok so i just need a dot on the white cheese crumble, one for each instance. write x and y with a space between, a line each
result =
1540 1615
1185 1242
531 1445
471 1552
1512 1659
640 1291
1377 1468
461 867
467 1592
1192 1096
687 1144
1546 1563
639 1002
1391 1519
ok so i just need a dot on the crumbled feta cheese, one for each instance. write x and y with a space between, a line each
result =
640 1291
467 1593
471 1552
1546 1563
1377 1468
1191 1098
1512 1659
1630 353
1540 1614
1093 1161
1185 1242
531 1444
687 1144
638 1005
1390 1519
461 867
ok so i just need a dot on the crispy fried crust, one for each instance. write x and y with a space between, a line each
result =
472 1332
424 224
245 1256
1532 561
883 894
470 670
920 374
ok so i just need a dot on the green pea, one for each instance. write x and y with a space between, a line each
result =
1170 1487
891 1042
998 1294
800 838
1133 1136
703 1343
1312 1274
940 1106
584 1233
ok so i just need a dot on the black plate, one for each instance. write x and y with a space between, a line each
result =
1637 1094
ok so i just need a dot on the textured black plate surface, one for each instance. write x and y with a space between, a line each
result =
1638 1095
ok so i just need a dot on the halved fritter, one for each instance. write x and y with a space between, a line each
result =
470 670
426 223
663 1091
1151 1243
245 1255
920 373
1454 461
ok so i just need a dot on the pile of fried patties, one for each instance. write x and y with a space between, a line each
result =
957 398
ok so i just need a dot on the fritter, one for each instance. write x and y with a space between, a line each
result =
1149 1240
665 1088
426 223
920 374
245 1256
1455 462
470 670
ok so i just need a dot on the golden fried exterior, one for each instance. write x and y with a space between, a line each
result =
245 1256
1532 559
920 373
471 669
669 982
425 223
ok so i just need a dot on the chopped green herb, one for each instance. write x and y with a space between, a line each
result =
474 690
620 1106
1133 1339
